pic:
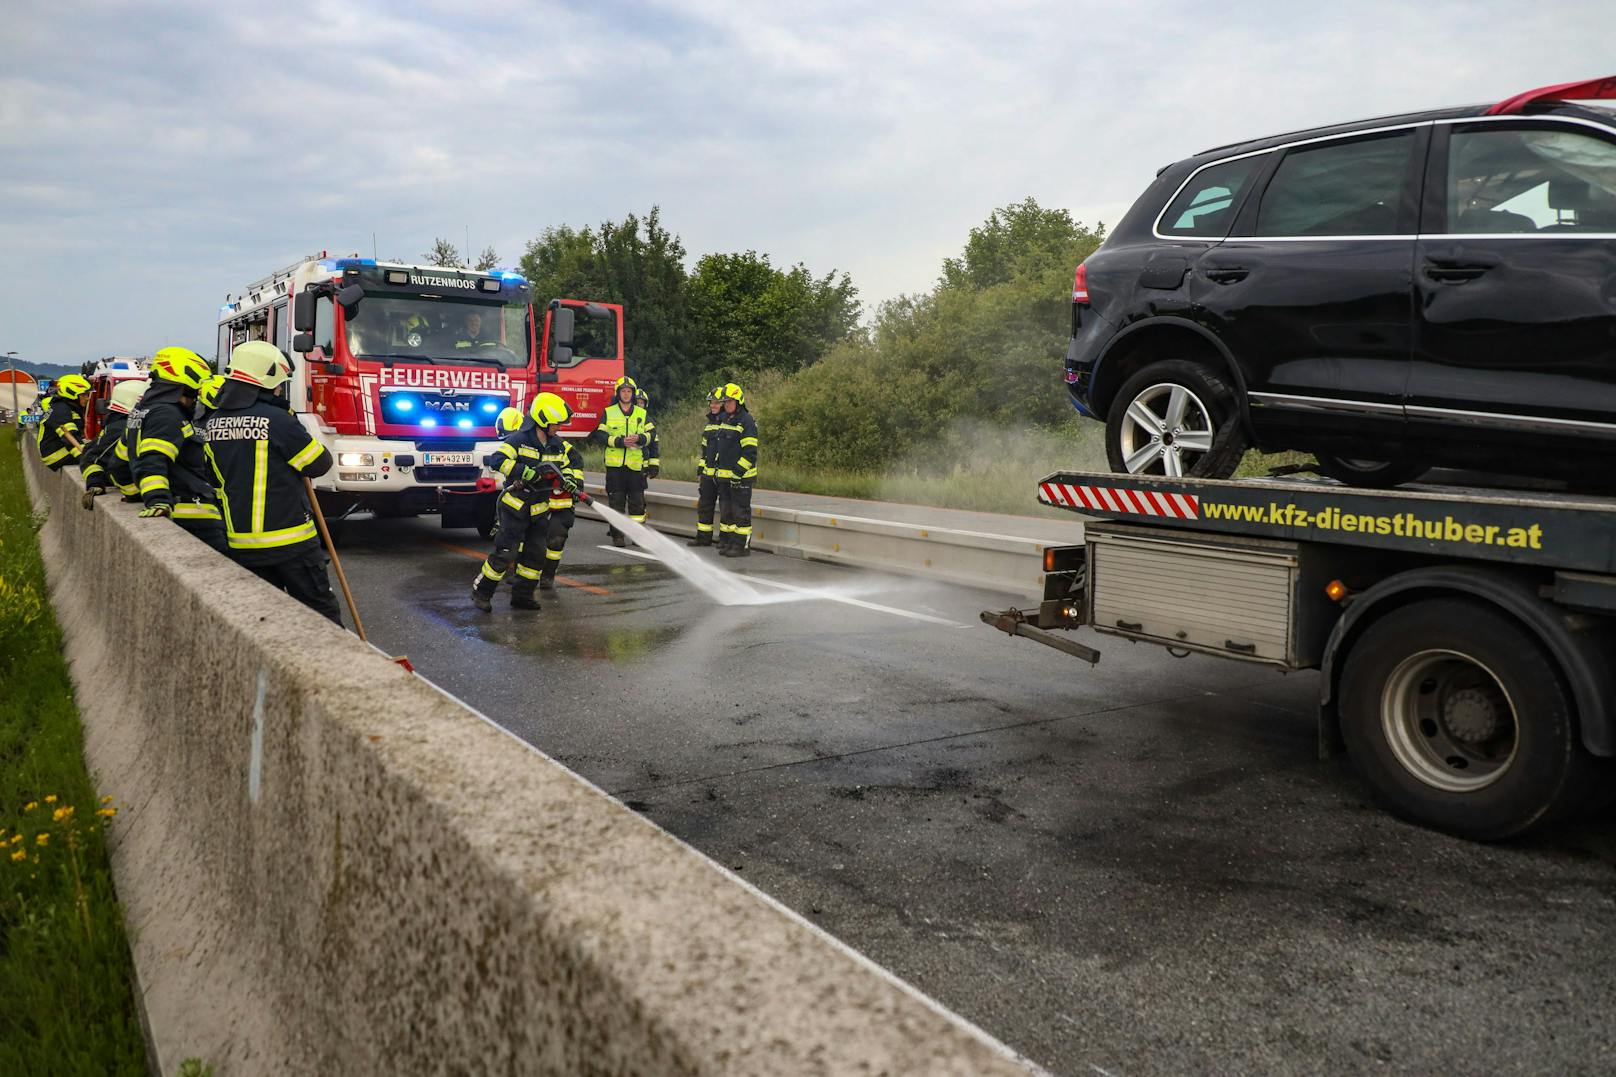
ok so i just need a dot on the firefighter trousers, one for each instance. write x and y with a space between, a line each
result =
625 492
735 512
304 577
556 540
706 503
210 532
520 540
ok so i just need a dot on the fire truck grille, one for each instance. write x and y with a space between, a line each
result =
447 474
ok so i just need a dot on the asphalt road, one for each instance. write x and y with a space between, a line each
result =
1140 868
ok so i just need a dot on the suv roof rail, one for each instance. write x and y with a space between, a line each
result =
1602 89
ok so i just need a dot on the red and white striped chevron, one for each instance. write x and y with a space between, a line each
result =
1117 499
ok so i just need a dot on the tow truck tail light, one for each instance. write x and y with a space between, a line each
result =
1080 284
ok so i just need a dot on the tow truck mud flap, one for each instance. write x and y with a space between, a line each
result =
1013 622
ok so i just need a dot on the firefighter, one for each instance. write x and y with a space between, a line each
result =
626 432
471 332
706 465
736 458
532 484
653 451
167 455
261 457
566 458
59 442
104 467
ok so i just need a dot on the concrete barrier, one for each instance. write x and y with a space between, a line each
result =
967 558
330 866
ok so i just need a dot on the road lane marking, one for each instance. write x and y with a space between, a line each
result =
568 580
876 606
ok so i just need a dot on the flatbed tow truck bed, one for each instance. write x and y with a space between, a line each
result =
1465 635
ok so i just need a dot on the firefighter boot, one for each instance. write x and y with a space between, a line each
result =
703 538
523 600
547 582
483 600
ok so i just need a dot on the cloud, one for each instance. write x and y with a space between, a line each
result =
158 156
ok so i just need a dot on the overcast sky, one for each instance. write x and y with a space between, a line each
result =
155 157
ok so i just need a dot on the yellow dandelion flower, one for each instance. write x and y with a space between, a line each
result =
20 854
106 813
42 839
30 806
51 799
15 838
107 799
61 814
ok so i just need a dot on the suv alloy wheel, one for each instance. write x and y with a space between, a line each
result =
1174 417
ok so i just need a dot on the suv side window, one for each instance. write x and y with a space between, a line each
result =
1521 180
1206 204
1338 189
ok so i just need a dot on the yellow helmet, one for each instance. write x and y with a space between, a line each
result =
126 394
716 396
508 420
734 392
180 366
549 410
260 363
71 386
208 395
624 380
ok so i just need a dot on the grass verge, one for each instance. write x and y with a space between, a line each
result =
969 466
66 993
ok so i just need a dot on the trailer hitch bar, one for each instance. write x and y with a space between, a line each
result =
1013 622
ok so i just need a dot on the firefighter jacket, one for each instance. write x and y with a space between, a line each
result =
615 426
733 442
527 447
167 457
61 418
260 455
100 456
707 461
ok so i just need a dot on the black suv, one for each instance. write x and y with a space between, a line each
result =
1390 295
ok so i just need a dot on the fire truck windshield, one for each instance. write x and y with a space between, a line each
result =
425 329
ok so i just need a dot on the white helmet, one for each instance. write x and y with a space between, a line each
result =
260 363
126 394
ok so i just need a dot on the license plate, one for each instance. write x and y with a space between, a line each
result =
448 458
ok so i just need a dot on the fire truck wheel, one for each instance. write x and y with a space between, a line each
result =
1460 720
1175 417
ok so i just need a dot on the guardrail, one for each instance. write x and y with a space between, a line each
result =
331 866
967 558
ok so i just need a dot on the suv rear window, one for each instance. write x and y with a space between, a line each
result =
1338 189
1206 205
1504 181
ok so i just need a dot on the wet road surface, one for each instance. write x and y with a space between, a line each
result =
1138 868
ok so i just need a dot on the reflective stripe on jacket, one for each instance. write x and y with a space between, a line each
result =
99 454
260 454
61 419
167 461
733 442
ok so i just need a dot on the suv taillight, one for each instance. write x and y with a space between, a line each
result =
1080 285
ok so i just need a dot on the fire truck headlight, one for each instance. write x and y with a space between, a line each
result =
429 421
356 459
402 403
464 424
490 407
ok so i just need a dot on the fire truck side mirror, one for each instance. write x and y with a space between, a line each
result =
303 312
303 342
560 356
561 327
349 297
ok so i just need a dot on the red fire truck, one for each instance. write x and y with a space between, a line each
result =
402 369
104 377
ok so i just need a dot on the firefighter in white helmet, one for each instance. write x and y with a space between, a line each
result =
261 455
103 465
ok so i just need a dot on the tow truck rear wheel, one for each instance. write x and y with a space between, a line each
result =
1174 417
1460 720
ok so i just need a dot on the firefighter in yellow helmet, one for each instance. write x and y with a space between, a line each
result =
542 479
706 465
261 456
104 466
626 431
735 455
207 398
167 454
58 436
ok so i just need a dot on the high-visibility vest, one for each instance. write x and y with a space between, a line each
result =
617 427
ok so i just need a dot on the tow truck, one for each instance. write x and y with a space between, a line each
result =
1464 636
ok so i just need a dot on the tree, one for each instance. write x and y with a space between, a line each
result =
444 253
748 317
487 260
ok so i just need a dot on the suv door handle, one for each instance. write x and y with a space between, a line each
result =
1226 274
1455 272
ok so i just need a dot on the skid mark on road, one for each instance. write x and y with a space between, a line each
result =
465 551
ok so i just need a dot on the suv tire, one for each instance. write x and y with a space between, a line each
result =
1458 719
1166 407
1373 474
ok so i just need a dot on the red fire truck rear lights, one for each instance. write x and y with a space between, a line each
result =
1080 284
